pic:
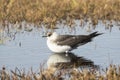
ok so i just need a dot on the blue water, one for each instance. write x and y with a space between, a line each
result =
33 52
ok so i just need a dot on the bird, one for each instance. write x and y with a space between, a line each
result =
66 43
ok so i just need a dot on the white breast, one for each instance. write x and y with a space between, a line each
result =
57 48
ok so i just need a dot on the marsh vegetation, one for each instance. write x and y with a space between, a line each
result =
51 12
20 16
111 73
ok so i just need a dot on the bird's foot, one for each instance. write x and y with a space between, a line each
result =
66 53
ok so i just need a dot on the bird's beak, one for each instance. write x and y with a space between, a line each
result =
44 36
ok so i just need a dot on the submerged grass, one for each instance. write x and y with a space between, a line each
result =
111 73
50 12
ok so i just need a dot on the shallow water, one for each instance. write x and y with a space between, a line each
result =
29 49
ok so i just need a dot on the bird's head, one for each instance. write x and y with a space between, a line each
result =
51 35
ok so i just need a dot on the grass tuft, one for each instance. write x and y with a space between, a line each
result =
111 73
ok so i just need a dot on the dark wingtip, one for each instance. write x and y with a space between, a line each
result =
94 34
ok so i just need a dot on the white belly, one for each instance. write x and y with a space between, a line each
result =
57 48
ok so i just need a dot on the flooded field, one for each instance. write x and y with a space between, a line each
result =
24 22
29 49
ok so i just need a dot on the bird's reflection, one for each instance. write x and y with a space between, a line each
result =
63 61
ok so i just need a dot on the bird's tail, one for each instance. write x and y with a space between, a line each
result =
94 34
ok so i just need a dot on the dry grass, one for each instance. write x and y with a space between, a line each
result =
111 73
50 12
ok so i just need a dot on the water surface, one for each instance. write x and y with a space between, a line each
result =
29 49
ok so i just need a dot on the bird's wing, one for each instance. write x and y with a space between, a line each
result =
75 41
63 37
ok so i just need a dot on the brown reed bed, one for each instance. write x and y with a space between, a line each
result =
51 12
111 73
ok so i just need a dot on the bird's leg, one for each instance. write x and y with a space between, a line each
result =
67 52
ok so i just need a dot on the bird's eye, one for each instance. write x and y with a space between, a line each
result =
49 34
